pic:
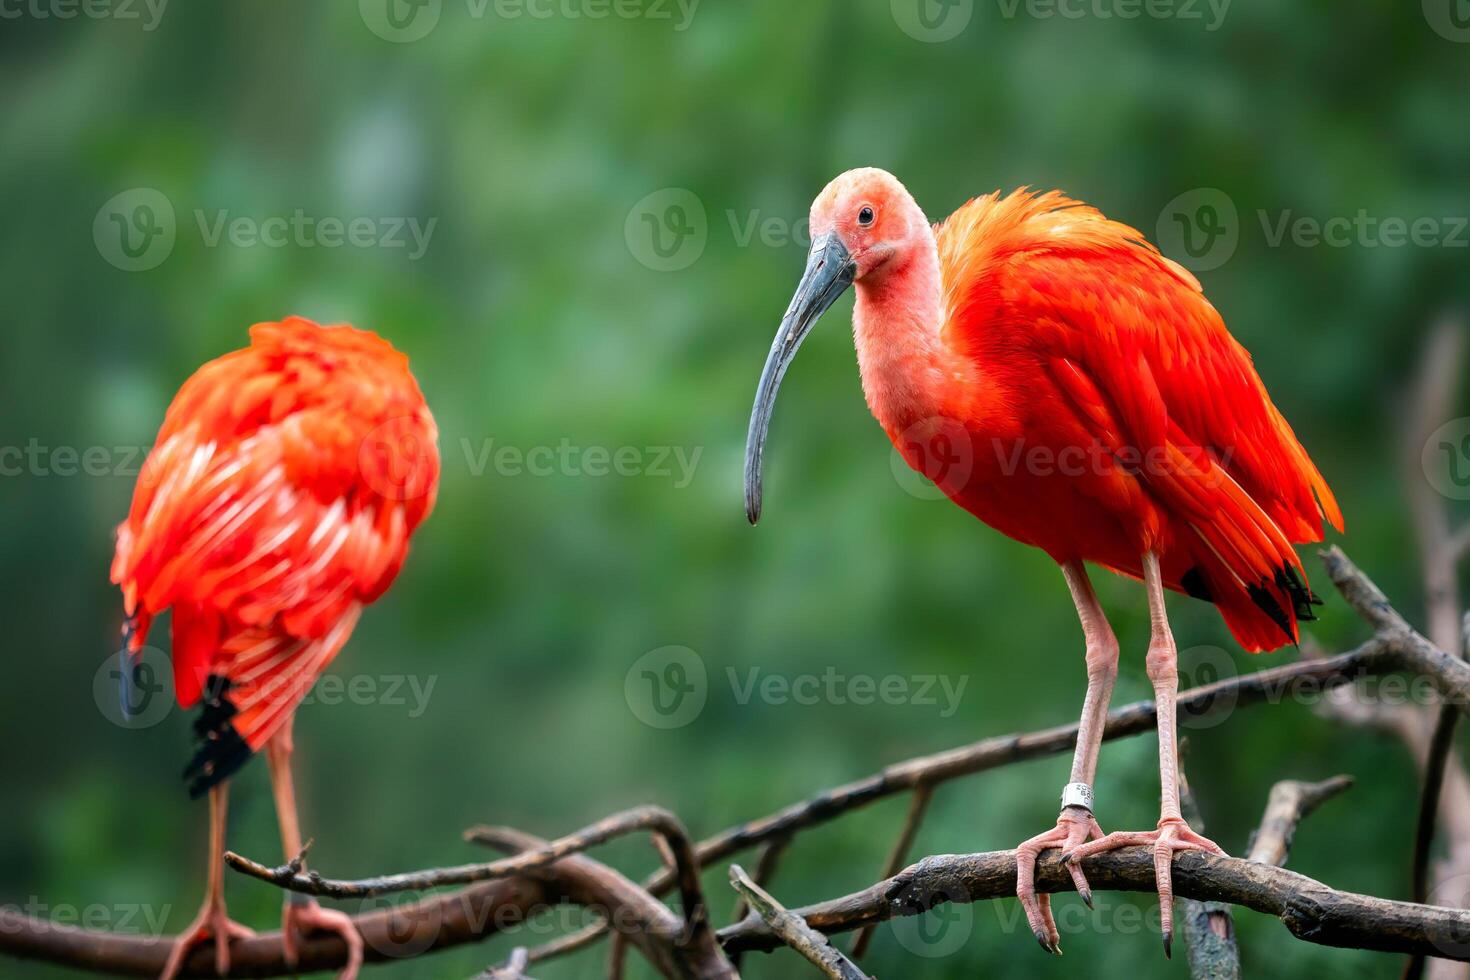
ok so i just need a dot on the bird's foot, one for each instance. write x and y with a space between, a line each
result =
211 923
302 918
1074 826
1172 836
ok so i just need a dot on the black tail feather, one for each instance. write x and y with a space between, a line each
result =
222 752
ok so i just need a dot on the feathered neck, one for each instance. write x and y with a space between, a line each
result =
896 329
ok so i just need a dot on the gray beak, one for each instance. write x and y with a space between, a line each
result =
830 269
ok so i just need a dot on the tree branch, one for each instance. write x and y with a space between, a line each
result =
1311 910
1291 801
793 930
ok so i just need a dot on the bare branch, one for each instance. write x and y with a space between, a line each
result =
793 930
1290 803
1311 910
1394 647
681 949
765 873
514 968
388 935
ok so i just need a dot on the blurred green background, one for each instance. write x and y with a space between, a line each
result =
547 151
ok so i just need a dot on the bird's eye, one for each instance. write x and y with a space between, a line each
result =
865 217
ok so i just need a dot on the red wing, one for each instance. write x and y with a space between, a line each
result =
1047 278
280 497
1045 287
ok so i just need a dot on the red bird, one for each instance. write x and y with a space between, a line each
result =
1064 382
277 502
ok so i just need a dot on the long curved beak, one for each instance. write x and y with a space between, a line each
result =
830 269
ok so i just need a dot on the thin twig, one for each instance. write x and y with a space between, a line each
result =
898 857
669 944
514 968
794 931
765 873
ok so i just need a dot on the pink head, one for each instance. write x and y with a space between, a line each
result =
865 227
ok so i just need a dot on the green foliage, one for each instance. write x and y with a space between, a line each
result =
532 322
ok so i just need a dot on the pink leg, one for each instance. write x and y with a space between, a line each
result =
212 922
1076 823
1172 834
303 915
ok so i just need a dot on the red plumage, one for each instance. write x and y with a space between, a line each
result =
1063 381
278 501
1088 337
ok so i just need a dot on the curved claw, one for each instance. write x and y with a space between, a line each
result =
1073 827
303 918
212 922
1171 837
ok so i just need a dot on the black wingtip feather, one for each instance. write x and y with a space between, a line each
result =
222 752
1266 601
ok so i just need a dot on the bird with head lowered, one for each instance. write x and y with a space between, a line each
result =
1067 384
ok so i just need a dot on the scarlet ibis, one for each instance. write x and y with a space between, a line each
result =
1061 380
277 502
